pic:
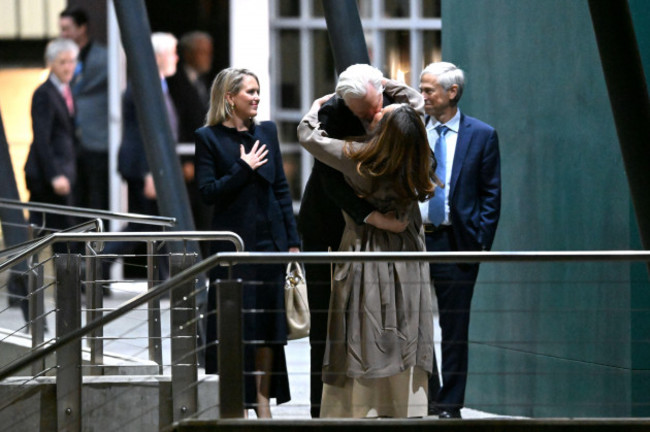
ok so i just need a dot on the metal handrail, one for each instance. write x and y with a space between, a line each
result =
231 258
182 277
89 213
31 247
113 236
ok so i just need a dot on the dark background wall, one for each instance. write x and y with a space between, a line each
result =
554 339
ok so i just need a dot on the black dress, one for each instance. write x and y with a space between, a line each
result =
257 206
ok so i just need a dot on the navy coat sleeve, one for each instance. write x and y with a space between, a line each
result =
334 121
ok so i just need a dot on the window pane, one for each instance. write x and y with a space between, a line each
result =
287 132
430 8
397 44
365 8
317 8
291 156
397 8
324 79
431 41
290 69
289 8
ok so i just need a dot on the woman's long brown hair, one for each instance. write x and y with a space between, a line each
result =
398 150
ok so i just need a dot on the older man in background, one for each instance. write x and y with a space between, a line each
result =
50 171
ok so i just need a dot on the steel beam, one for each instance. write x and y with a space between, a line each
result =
628 95
345 33
152 117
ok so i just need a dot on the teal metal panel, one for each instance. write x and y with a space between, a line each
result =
533 72
541 386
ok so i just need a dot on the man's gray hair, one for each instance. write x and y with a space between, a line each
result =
57 46
353 82
163 42
447 75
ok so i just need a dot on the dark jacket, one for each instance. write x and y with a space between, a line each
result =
190 108
53 150
90 90
320 221
238 193
132 159
475 185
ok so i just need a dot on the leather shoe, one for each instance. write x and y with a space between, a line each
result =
433 410
449 414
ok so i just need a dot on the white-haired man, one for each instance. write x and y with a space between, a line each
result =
463 218
132 159
359 97
50 171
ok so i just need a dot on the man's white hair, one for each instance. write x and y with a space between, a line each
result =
447 74
353 82
163 42
57 46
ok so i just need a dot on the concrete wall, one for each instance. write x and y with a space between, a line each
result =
555 339
109 403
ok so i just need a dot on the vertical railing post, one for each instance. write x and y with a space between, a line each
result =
183 343
36 309
231 349
95 304
155 332
68 357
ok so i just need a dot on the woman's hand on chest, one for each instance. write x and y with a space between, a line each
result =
257 155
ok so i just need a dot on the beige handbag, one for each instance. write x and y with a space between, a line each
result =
296 303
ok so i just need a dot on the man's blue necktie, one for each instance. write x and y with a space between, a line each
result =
437 203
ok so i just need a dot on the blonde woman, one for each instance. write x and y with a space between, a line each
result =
239 172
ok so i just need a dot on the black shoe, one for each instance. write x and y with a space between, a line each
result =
450 414
434 410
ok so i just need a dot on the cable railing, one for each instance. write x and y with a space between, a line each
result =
180 309
229 403
82 212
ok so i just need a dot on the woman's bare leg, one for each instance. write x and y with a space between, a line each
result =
264 364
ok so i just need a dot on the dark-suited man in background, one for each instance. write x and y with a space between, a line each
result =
191 95
132 158
463 218
359 97
90 89
50 171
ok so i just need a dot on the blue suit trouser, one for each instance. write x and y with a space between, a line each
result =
454 286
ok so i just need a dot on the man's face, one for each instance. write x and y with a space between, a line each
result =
200 56
70 30
366 107
167 61
437 100
63 66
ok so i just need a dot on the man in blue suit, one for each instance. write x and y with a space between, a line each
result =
463 216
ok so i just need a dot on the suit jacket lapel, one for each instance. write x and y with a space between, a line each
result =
462 145
60 106
57 96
